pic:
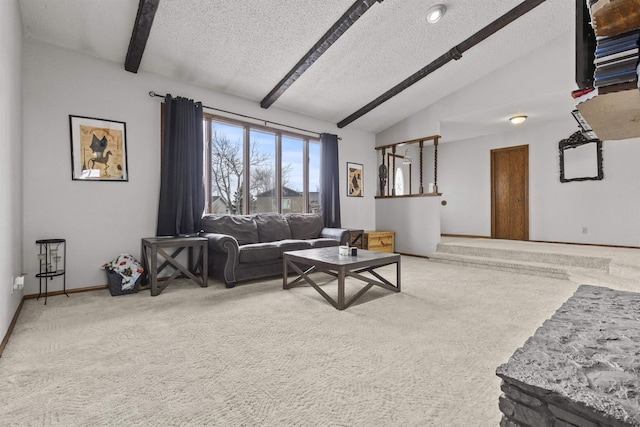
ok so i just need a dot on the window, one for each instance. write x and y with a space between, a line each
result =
280 169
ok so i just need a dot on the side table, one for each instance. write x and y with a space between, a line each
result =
153 246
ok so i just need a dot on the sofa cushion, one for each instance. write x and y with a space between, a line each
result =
257 252
272 227
304 226
293 245
323 242
242 227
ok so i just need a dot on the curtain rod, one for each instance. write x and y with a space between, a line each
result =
153 94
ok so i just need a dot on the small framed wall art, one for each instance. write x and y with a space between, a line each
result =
98 149
354 180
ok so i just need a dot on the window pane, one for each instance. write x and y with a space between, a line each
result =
314 177
262 171
226 168
292 175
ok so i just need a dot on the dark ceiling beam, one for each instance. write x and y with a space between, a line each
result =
341 26
141 29
454 54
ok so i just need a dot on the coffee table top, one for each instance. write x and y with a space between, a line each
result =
330 256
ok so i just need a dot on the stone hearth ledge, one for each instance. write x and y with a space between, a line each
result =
581 367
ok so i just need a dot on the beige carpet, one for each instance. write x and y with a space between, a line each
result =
257 355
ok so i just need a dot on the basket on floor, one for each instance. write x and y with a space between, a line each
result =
115 284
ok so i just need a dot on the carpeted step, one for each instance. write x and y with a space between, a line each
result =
516 266
627 270
529 256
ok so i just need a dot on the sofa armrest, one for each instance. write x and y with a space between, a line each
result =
226 256
339 234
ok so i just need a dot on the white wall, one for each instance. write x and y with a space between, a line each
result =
11 159
415 221
103 219
557 212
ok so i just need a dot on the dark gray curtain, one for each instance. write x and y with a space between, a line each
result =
329 181
181 177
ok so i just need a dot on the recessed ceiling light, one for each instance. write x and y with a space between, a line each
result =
517 120
435 13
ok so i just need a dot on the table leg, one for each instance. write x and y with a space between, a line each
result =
145 264
285 271
398 274
153 271
341 277
204 254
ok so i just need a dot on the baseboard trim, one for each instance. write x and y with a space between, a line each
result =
11 325
466 236
70 291
413 255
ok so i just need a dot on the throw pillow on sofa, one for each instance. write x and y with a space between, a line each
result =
272 227
305 226
242 227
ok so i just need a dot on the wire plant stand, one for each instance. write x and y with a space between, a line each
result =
52 264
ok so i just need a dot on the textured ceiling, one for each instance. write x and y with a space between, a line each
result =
245 48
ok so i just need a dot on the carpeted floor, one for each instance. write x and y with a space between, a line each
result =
257 355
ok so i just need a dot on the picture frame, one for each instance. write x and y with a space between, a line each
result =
355 180
98 149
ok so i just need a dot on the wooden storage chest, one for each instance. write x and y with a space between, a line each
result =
380 241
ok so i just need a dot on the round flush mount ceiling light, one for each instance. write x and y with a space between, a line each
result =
517 120
435 13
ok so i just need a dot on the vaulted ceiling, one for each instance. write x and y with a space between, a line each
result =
245 48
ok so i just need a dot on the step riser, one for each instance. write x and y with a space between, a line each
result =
506 267
528 256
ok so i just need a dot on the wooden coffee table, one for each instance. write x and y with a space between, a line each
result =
327 260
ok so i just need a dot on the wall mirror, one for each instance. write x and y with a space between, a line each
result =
580 158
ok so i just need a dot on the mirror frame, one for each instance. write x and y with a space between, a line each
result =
577 140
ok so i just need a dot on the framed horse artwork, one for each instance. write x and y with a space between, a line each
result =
98 149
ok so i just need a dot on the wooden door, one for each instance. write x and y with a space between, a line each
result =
510 193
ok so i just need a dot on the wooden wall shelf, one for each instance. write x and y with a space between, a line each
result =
410 195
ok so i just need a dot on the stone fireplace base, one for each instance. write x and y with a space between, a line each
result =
581 368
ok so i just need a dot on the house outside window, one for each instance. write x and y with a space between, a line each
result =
280 169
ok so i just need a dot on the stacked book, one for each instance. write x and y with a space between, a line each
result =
616 59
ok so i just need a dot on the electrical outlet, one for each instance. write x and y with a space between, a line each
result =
17 283
585 230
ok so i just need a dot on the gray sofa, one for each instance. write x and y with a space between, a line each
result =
245 247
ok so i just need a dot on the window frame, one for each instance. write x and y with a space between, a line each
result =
208 118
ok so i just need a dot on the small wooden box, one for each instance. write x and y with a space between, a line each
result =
381 241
